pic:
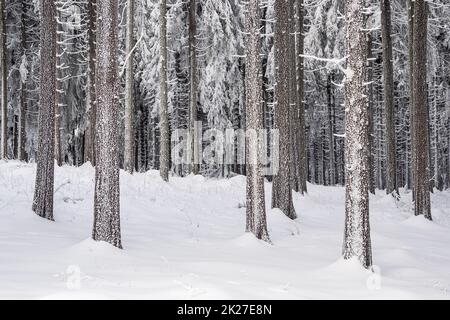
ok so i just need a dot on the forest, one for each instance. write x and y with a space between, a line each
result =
191 147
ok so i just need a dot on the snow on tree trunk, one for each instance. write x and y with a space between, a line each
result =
282 188
107 193
420 111
388 80
411 84
129 82
60 49
357 230
4 83
193 90
89 143
164 157
302 165
22 138
371 106
256 208
294 121
43 192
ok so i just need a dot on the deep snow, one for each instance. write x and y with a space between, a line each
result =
186 240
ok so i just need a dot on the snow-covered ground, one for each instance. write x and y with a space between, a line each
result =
185 240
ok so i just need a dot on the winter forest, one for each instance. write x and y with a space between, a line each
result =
268 149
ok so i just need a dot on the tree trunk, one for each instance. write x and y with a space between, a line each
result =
357 231
371 106
282 188
129 82
388 79
21 145
164 158
4 82
420 111
59 89
256 208
193 94
43 192
89 142
331 139
302 165
293 111
107 192
411 87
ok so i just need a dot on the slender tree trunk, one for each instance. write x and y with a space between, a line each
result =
21 145
357 231
59 91
331 139
43 192
193 94
129 99
282 188
107 193
89 142
256 208
411 87
388 79
302 165
371 106
164 158
293 117
4 83
420 111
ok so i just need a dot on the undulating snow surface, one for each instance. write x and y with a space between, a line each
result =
186 240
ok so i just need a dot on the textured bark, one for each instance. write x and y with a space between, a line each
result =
22 138
420 111
129 82
43 192
388 79
164 157
193 94
282 188
256 208
59 93
4 83
357 230
89 143
107 193
302 165
411 85
331 138
371 106
293 111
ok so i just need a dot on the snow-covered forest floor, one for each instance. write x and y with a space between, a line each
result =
186 239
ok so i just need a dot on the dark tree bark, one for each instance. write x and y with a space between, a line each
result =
89 143
60 49
302 165
193 90
4 83
411 85
371 106
107 192
420 111
293 111
164 157
357 230
282 188
22 138
129 83
43 192
388 79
